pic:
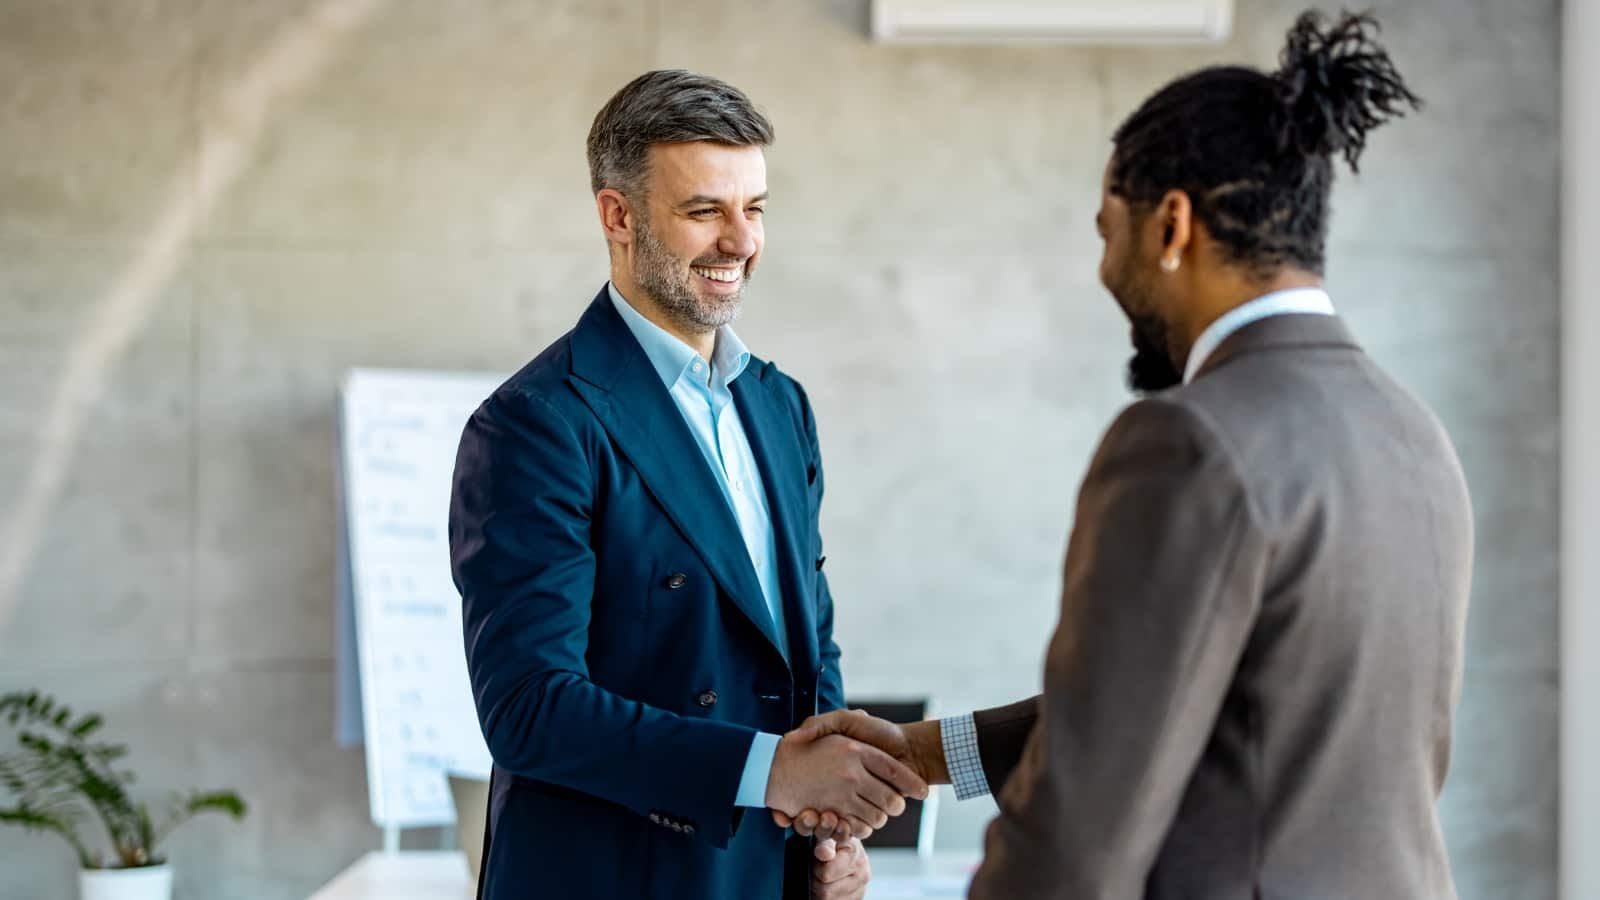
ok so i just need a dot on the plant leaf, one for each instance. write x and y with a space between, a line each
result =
32 819
226 802
196 802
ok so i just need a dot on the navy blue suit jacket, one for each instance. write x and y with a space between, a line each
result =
621 653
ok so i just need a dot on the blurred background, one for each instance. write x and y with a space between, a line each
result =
210 209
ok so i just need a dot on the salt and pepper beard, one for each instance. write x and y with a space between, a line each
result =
670 283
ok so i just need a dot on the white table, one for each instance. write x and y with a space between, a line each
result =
412 875
442 875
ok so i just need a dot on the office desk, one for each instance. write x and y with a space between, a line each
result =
442 875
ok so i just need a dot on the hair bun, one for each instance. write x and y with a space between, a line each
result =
1336 84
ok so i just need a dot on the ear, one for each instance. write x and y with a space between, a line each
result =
617 215
1175 216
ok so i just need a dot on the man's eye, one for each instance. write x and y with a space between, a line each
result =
703 213
757 210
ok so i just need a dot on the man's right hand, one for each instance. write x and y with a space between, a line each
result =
859 782
917 745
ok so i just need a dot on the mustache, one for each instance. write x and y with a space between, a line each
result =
720 261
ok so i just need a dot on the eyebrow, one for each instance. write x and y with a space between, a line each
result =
703 200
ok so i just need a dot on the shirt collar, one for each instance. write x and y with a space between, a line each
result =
671 357
1305 301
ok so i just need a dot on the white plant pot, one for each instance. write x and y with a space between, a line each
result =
143 883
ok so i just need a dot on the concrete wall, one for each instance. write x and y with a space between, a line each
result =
1580 446
930 275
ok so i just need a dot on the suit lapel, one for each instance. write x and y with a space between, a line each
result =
776 445
616 380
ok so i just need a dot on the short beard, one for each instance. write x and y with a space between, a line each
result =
1151 368
670 283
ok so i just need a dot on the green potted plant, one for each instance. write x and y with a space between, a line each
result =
60 777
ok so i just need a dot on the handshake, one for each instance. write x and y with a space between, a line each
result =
843 774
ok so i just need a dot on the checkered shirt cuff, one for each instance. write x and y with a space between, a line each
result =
959 735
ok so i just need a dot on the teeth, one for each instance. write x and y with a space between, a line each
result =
727 276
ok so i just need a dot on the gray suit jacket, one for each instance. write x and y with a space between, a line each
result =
1250 691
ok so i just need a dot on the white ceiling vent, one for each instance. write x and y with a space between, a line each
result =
1051 21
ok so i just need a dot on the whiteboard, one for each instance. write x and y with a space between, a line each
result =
398 432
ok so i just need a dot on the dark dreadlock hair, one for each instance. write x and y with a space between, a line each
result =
1254 150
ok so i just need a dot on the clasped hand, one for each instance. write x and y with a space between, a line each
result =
843 774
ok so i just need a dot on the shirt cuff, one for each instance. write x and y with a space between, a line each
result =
757 768
959 737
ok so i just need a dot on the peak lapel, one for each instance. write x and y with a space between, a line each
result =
776 444
616 380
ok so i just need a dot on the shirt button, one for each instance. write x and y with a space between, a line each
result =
708 699
676 580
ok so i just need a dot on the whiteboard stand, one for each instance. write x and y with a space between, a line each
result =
391 839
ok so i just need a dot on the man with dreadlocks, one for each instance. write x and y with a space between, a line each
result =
1251 688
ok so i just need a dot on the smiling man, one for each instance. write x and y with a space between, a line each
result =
634 534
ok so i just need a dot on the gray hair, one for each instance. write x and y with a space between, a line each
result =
668 106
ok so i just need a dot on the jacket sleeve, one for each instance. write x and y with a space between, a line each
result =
1002 733
520 512
1163 580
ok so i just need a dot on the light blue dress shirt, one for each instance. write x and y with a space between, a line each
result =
703 395
958 734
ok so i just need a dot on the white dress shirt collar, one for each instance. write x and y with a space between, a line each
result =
672 358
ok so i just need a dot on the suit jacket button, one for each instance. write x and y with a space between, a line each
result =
708 699
676 580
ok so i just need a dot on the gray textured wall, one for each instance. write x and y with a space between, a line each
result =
929 275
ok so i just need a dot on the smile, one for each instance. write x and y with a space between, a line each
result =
726 276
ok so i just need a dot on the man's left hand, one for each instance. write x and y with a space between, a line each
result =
841 871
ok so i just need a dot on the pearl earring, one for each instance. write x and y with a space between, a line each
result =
1170 264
